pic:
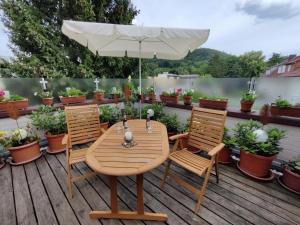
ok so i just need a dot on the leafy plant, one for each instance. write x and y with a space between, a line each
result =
116 91
188 92
186 125
213 98
130 111
282 103
157 108
293 166
170 121
109 114
228 140
99 91
44 94
19 137
248 97
51 121
71 92
15 98
247 139
150 89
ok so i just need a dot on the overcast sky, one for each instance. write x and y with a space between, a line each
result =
236 26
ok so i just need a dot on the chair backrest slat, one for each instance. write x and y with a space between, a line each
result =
206 128
83 123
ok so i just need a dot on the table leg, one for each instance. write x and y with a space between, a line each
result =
140 214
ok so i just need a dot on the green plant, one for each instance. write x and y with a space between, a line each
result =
15 98
44 94
186 125
293 165
49 120
99 91
248 97
109 114
150 89
19 137
157 108
188 92
170 121
131 85
130 111
247 139
213 98
116 91
282 103
228 140
71 92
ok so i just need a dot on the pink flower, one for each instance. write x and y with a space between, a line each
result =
2 93
179 90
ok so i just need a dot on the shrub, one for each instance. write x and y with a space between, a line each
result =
213 98
157 108
248 97
282 103
15 98
71 92
228 140
109 114
170 121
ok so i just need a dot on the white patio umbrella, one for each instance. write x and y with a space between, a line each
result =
117 40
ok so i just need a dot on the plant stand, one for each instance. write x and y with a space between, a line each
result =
269 178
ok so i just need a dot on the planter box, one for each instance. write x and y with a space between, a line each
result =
47 101
72 100
187 100
25 153
290 111
152 97
213 104
55 143
21 104
169 99
246 106
99 96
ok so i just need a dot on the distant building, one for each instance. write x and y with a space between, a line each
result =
288 68
169 75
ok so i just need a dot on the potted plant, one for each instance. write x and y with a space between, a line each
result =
170 97
158 111
108 116
2 100
46 96
258 148
53 123
247 101
99 95
282 107
116 94
291 175
72 96
170 121
128 89
18 101
23 145
188 96
213 102
225 154
151 94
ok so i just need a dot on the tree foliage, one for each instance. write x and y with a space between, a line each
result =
42 50
275 59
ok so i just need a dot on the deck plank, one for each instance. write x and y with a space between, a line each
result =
24 206
7 203
61 205
41 202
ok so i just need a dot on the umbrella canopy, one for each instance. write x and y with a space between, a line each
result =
124 40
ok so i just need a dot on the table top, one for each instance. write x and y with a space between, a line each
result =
108 156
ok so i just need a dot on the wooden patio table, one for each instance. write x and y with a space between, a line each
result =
108 156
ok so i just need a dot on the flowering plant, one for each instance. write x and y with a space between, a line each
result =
18 137
150 89
2 95
188 92
44 94
99 90
116 91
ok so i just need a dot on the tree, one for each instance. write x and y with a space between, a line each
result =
253 64
217 66
275 59
234 67
42 50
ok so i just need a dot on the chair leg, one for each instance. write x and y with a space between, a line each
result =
69 181
165 174
217 169
202 191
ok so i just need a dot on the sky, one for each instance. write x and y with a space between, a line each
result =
236 26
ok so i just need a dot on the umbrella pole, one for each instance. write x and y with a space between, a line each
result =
140 77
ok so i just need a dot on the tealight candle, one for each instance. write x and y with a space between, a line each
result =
128 136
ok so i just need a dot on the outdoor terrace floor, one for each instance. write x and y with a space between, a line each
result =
36 193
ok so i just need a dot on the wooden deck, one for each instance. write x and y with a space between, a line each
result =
36 193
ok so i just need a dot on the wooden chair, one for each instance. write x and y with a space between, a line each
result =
83 127
205 133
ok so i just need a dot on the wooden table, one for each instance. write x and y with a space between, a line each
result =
108 156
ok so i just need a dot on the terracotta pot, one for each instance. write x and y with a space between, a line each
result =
187 100
116 98
169 99
291 180
72 100
152 97
127 92
290 111
246 106
213 104
104 125
142 97
99 96
25 153
55 143
47 101
21 104
256 165
224 156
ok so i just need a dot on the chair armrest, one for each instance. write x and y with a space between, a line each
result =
102 130
178 136
216 149
65 140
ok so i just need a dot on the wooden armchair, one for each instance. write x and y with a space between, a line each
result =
205 133
83 127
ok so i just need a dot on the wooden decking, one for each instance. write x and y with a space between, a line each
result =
36 193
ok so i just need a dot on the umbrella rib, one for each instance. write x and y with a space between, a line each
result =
170 46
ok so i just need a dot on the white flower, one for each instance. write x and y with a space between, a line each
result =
68 88
129 78
261 135
150 112
35 93
20 134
